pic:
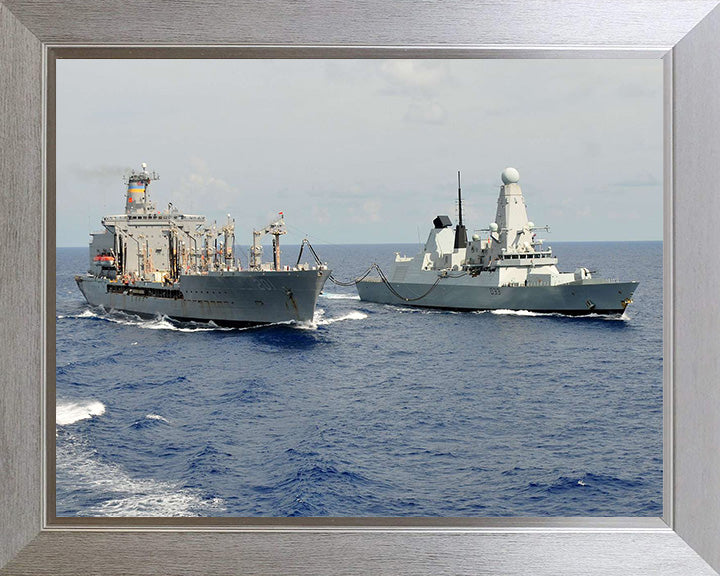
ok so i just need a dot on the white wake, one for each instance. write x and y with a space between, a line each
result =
339 296
119 494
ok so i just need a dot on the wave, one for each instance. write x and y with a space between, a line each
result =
116 493
354 315
503 312
409 309
156 417
320 320
157 323
85 314
70 412
160 501
165 323
339 296
150 421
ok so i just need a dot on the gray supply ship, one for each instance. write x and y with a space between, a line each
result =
149 262
510 269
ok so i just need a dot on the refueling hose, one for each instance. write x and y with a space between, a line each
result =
381 274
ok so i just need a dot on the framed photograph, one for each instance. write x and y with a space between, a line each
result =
392 542
541 391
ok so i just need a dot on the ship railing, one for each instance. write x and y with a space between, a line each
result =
525 255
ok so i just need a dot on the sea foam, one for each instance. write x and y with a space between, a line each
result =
157 323
320 320
339 296
117 493
353 315
503 312
71 412
156 417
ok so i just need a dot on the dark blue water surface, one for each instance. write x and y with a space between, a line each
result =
372 410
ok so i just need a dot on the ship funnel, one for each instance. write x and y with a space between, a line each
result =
460 232
136 193
138 198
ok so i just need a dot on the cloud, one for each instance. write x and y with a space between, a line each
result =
198 164
368 211
641 181
320 214
426 112
201 189
372 210
622 216
340 133
206 183
421 81
103 171
584 212
413 74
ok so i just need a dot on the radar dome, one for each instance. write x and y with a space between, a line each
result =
531 224
475 237
493 227
510 176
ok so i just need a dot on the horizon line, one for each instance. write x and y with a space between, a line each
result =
417 243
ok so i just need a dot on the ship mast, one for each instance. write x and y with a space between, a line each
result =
460 232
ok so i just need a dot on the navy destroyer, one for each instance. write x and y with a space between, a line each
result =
165 263
509 269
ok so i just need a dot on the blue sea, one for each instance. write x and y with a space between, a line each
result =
370 410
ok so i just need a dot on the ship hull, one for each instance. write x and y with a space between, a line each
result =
576 298
244 298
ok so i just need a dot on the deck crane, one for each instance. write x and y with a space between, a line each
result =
276 229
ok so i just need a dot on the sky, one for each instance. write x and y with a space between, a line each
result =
364 151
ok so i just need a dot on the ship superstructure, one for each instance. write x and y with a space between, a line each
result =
152 262
509 269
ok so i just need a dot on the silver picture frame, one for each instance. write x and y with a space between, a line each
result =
684 33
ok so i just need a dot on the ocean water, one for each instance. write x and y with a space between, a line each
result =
371 410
